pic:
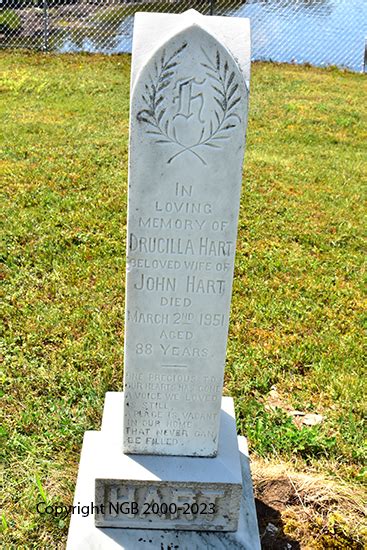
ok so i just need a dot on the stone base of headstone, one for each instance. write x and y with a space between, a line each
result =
167 492
107 475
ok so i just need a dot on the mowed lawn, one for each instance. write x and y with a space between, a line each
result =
297 324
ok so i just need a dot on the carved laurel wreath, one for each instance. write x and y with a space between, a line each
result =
225 94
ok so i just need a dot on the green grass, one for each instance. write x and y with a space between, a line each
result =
9 21
298 302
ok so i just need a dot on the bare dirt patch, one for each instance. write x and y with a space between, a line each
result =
303 510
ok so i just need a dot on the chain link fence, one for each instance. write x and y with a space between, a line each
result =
320 32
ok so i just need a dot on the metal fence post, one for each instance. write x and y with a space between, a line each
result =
45 25
212 7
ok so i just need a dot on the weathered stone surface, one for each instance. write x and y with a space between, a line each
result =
169 492
187 132
188 118
101 453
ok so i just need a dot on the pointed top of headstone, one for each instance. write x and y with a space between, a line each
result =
187 132
232 32
192 12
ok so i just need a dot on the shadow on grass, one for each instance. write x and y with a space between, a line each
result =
271 529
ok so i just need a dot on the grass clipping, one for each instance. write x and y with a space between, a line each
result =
306 510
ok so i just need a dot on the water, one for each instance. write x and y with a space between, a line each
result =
319 32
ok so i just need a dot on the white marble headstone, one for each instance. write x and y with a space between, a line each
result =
189 101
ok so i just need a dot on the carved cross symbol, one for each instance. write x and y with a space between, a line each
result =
186 97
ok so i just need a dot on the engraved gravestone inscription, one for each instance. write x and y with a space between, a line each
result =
181 477
188 506
188 119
